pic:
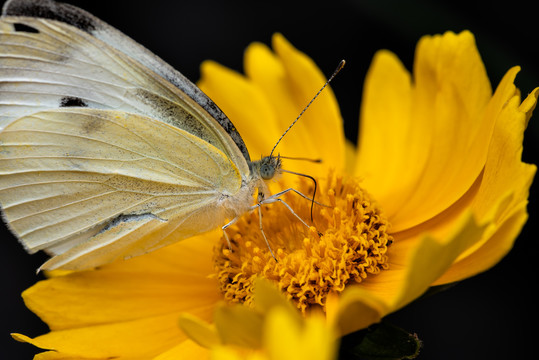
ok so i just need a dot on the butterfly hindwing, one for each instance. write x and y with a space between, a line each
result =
79 175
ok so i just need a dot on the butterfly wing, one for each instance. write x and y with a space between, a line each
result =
107 151
54 55
91 185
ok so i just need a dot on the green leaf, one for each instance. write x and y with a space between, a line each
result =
382 341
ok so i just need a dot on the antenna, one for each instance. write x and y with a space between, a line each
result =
339 68
301 158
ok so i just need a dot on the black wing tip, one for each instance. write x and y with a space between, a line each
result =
52 10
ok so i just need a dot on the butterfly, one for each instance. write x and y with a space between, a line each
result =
106 151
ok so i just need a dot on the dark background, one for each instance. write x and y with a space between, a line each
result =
485 317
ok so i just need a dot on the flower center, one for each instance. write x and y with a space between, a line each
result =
347 243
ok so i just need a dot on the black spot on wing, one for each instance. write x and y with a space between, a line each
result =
122 218
48 9
25 28
70 101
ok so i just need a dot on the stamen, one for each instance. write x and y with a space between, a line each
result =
309 265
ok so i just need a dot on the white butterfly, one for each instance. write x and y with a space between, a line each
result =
106 151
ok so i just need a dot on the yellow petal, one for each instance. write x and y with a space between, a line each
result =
267 297
504 174
357 308
448 132
415 263
200 331
239 325
53 355
186 350
489 253
323 121
504 169
350 153
141 287
452 93
224 353
432 257
285 339
390 151
289 80
137 339
227 353
245 104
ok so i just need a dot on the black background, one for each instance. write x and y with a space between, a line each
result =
485 317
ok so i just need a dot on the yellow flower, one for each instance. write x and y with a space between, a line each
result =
440 158
435 193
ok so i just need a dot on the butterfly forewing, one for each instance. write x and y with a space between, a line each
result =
98 29
59 65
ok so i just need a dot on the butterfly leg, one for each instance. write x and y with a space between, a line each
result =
281 193
273 199
262 231
258 206
276 197
261 200
232 222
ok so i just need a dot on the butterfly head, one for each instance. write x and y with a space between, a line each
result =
267 168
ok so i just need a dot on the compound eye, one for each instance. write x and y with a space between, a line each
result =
267 171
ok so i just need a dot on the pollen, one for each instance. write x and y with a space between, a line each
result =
347 242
